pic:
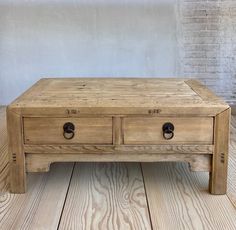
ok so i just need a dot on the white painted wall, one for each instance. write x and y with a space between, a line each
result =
73 38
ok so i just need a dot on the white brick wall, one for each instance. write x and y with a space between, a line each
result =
207 43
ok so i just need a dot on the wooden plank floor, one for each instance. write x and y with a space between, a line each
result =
232 163
117 196
106 196
180 198
3 151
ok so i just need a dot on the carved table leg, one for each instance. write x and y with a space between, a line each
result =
218 176
16 152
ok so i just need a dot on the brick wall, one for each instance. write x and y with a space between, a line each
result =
207 44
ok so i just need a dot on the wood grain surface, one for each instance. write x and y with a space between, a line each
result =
149 96
41 162
179 199
119 149
218 176
16 152
190 130
92 105
83 92
41 207
205 93
106 196
50 130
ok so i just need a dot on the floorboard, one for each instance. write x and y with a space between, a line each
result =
3 151
179 199
232 163
106 196
41 207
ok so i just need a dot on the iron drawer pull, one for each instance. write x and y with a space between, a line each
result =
168 130
69 129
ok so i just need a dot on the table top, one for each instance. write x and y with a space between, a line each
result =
121 94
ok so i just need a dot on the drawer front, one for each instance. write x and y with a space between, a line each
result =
192 130
57 130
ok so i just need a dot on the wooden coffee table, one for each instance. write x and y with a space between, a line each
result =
143 120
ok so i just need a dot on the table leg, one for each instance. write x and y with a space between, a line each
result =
218 175
16 152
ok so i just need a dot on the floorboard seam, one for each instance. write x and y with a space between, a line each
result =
7 164
144 185
231 201
66 196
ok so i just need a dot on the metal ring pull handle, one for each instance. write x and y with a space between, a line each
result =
168 130
69 130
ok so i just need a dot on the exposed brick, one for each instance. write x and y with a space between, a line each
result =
207 37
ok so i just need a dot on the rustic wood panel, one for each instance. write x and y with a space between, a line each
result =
149 96
117 131
206 94
179 199
193 130
121 149
17 176
41 206
218 176
105 92
50 130
106 196
177 110
41 162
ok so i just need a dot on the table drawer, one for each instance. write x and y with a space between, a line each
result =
68 130
192 130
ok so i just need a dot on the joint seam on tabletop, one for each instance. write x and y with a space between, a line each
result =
229 108
11 110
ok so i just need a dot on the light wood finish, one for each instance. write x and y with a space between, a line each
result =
50 130
185 202
76 96
218 177
206 94
149 130
16 152
106 196
116 120
40 208
41 162
119 149
117 131
177 198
